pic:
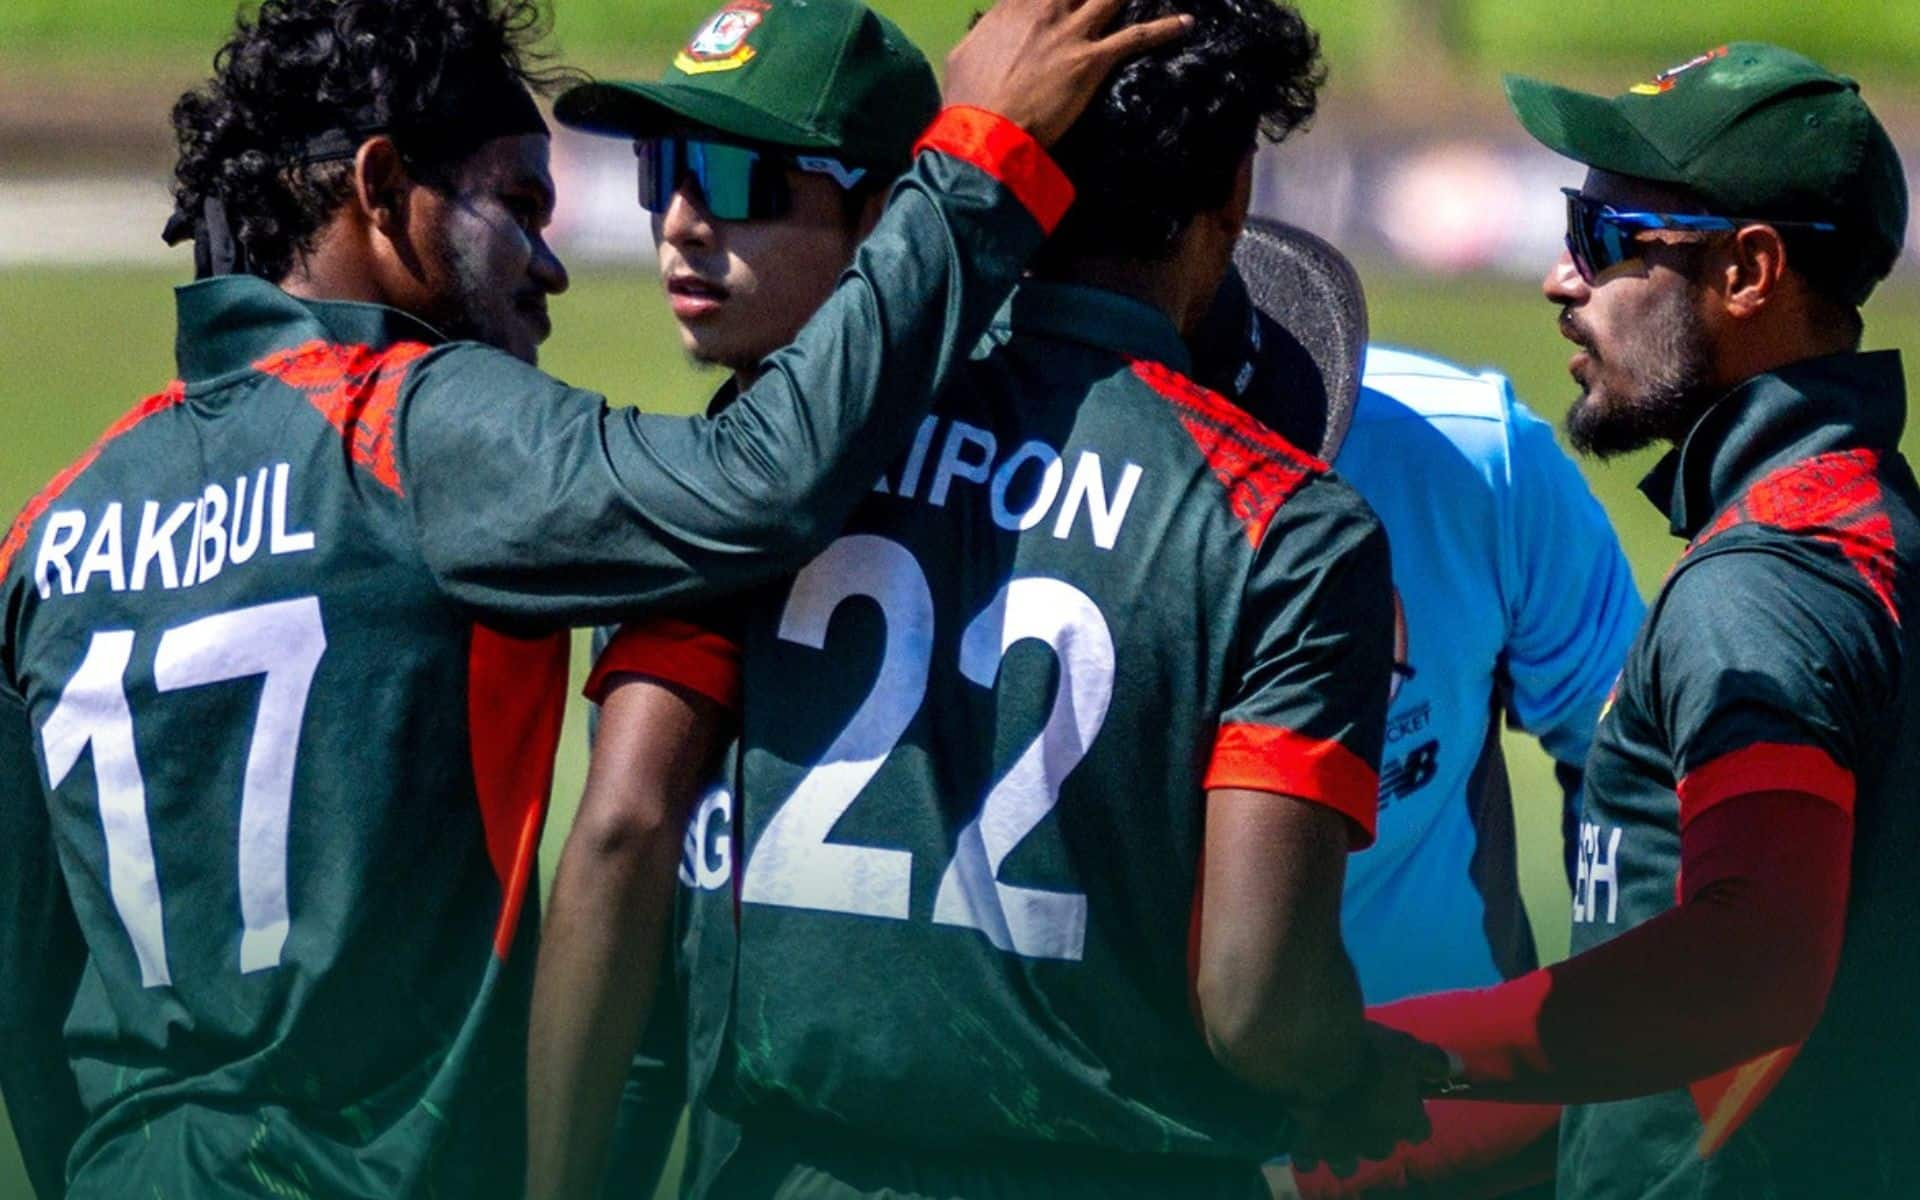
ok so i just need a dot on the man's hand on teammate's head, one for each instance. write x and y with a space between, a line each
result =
1039 62
1380 1111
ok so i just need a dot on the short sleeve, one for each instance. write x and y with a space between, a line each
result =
1769 672
1306 705
702 657
1572 605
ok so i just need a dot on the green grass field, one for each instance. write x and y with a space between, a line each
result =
78 348
1875 37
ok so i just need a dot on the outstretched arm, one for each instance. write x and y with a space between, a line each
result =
1740 968
536 502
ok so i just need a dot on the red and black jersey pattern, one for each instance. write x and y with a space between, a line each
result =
1835 498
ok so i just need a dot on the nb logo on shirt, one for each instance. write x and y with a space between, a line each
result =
706 857
1596 865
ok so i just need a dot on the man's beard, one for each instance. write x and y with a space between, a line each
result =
1670 375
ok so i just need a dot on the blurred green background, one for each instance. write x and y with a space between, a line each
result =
1362 36
78 347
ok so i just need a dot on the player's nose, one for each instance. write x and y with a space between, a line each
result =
686 221
1563 284
547 269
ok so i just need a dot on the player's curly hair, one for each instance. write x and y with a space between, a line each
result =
1164 137
300 68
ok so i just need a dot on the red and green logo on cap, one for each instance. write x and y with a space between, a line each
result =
721 43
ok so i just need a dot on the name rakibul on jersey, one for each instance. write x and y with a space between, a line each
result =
169 547
1024 486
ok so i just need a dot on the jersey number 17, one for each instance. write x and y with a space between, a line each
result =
283 642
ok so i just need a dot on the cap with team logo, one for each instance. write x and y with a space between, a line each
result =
826 75
1751 129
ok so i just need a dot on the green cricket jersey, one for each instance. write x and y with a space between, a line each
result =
291 644
945 901
1775 658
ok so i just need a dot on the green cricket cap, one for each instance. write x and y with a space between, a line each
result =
1752 130
826 75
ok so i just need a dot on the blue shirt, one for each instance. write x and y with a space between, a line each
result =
1515 597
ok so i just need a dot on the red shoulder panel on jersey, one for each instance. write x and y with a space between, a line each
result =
355 389
1008 153
671 651
17 535
516 698
1260 469
1833 497
1765 767
1264 759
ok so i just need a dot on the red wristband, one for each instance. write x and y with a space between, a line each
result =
1006 152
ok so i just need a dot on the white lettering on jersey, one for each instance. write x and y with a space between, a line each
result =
1592 868
1089 487
103 553
226 532
156 545
1051 474
284 542
1024 488
706 856
64 530
954 465
244 539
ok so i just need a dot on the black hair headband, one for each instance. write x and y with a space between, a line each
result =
461 122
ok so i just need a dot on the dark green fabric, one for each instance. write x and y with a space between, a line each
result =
921 1034
816 1165
1772 631
1754 130
44 946
382 1054
829 75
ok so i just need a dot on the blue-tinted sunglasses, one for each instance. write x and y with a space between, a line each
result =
1601 237
736 183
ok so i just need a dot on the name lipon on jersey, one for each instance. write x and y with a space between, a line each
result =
1024 486
222 528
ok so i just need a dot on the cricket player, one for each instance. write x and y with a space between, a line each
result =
1735 1018
961 938
1513 596
743 269
289 641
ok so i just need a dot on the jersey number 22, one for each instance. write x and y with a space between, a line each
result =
794 865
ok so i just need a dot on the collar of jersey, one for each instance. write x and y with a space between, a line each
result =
1837 402
231 322
1096 317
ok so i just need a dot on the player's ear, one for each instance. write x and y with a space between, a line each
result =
1755 261
381 184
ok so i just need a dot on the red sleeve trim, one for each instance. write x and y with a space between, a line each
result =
676 652
1265 759
1006 152
1765 767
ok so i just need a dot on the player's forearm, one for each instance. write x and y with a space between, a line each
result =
1277 996
607 926
598 969
1476 1150
1740 968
